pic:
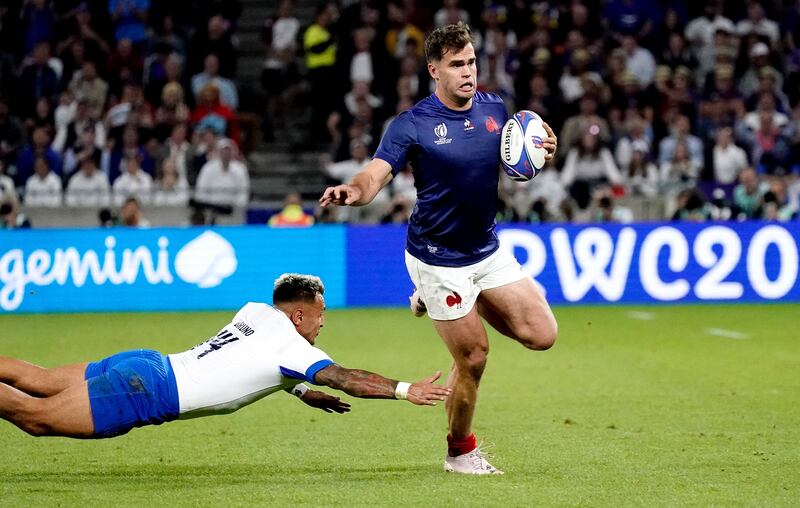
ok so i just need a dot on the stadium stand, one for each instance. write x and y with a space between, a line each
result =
664 110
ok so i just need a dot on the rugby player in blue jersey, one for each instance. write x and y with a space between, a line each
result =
452 141
263 350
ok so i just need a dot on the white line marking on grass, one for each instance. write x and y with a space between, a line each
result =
643 316
728 334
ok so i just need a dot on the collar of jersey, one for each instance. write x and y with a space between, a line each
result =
454 111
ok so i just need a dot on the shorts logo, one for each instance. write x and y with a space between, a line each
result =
454 299
492 125
441 133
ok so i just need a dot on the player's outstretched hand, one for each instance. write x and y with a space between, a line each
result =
425 393
325 402
340 195
550 143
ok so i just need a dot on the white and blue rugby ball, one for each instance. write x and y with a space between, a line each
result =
521 150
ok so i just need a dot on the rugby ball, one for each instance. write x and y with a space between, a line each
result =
521 150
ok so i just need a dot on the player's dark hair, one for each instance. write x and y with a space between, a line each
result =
447 38
295 287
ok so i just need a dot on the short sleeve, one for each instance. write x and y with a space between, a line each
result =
396 142
302 361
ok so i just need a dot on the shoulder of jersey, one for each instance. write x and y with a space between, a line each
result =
487 98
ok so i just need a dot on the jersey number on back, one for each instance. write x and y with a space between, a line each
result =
214 343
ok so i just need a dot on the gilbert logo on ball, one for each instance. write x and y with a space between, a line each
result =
521 146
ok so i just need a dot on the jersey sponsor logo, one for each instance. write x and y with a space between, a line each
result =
242 327
492 125
468 125
441 133
453 300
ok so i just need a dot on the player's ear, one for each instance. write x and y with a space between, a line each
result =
297 316
433 70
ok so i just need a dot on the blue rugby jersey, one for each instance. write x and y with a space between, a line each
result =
455 156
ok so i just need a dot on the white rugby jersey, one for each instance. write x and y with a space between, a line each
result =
256 354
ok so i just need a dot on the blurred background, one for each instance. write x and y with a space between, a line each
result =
137 114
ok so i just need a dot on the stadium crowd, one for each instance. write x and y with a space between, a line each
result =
664 108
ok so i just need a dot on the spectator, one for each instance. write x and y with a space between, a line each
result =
131 109
224 181
679 134
88 187
42 117
129 17
83 33
210 107
451 13
67 136
210 75
762 132
172 189
759 59
609 211
402 37
748 194
8 191
692 206
130 214
38 148
775 205
635 134
12 218
130 147
590 162
728 159
83 148
681 170
124 65
177 149
173 111
38 22
43 188
133 182
639 61
628 17
570 81
172 73
214 38
639 174
545 197
320 49
280 74
700 31
576 126
87 85
756 22
11 134
37 79
292 214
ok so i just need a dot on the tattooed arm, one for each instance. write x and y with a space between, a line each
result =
368 385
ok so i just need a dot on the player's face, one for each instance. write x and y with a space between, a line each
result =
456 75
313 319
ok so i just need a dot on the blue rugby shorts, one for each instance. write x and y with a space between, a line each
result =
131 389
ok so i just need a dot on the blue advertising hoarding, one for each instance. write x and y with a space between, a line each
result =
222 268
161 269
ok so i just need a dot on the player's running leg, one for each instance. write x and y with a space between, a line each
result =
468 344
520 311
67 414
40 381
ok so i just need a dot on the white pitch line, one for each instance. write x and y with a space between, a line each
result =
643 316
728 334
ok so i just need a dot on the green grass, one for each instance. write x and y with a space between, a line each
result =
642 410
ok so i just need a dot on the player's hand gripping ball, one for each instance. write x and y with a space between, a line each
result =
521 150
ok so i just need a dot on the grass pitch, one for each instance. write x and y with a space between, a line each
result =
635 406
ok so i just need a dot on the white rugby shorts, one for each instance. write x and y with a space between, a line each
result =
451 292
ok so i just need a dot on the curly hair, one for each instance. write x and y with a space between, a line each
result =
294 287
447 38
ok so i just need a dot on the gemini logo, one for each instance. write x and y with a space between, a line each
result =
205 262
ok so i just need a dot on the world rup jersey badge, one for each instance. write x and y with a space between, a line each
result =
441 134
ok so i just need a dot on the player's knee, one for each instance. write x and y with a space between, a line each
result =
539 338
32 421
473 360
